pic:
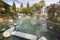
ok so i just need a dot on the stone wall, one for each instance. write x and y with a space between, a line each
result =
54 27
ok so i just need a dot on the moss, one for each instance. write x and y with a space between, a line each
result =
54 20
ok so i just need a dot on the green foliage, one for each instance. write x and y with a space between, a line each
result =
52 9
14 13
21 5
28 5
36 7
31 10
14 7
8 10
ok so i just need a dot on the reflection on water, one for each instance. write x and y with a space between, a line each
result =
32 26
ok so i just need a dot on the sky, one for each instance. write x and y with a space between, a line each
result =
31 2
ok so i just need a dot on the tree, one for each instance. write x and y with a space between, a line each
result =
36 7
14 7
21 5
30 10
17 9
28 5
8 10
53 12
13 10
25 10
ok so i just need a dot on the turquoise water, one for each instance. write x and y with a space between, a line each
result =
31 26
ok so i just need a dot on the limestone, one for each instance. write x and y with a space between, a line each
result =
1 20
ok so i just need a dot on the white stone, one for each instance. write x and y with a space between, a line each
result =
15 23
43 38
50 27
3 29
25 35
11 20
8 32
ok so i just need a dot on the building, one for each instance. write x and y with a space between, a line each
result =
3 6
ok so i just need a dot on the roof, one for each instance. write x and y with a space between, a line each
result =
4 3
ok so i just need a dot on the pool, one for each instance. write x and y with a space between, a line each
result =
32 26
